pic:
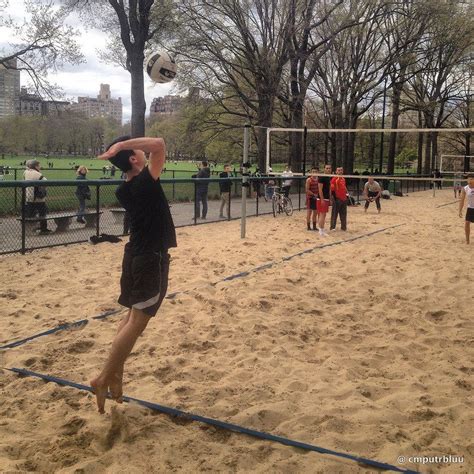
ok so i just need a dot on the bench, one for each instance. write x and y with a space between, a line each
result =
119 214
62 221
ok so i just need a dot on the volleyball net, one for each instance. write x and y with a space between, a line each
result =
413 150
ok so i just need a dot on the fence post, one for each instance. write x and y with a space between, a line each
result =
195 203
230 200
97 210
299 193
23 223
256 197
245 180
16 193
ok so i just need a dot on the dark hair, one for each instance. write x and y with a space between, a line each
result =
204 163
227 164
122 159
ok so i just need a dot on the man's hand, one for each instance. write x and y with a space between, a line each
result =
460 214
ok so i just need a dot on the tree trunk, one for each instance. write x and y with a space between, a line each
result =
264 119
397 91
427 163
434 151
137 95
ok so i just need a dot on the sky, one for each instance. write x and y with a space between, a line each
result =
85 79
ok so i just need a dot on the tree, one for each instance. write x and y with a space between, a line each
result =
236 50
41 44
132 25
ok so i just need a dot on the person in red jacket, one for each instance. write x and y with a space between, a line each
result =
339 196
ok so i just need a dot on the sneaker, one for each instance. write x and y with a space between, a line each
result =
80 220
45 231
322 233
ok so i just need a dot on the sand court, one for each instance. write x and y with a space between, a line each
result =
363 347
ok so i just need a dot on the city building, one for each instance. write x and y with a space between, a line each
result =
29 104
9 89
167 105
102 106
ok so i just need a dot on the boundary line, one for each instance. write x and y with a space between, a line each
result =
447 204
170 296
268 265
61 327
220 424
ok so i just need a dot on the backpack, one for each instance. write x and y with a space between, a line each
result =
40 191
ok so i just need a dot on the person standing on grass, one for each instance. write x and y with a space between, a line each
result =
225 186
312 192
372 191
339 195
83 192
145 265
324 183
467 195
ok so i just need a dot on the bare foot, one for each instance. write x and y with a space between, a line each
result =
100 387
115 387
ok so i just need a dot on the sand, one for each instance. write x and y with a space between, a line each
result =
363 347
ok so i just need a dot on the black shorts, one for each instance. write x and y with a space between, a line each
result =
470 214
144 281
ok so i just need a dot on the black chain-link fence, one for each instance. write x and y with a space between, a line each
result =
27 223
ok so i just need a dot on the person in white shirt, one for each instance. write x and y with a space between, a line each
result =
372 192
467 194
286 186
35 199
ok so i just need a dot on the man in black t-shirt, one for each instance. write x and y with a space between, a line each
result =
322 204
145 265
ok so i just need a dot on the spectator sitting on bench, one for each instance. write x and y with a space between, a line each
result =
83 192
36 196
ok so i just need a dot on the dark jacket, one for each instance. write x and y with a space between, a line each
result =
203 173
82 191
225 186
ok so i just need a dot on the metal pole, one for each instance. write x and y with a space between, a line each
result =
383 125
23 223
305 136
97 210
245 180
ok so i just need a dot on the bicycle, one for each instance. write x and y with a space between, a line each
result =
281 203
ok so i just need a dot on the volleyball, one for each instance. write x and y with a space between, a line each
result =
160 67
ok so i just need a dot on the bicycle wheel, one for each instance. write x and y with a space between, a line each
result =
287 206
274 206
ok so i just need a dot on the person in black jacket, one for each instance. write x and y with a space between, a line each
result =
83 192
225 187
201 191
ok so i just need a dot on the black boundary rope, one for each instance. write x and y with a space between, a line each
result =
268 265
265 266
61 327
220 424
447 204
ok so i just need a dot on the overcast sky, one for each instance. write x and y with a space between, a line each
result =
85 79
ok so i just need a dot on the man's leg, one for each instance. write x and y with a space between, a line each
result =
227 196
122 346
334 212
41 207
343 214
221 210
377 203
204 205
197 207
467 229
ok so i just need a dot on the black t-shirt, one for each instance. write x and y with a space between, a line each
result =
326 182
151 225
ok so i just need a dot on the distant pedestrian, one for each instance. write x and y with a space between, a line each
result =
113 169
83 193
286 185
201 191
36 196
225 186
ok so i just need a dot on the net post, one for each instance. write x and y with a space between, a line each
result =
245 180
